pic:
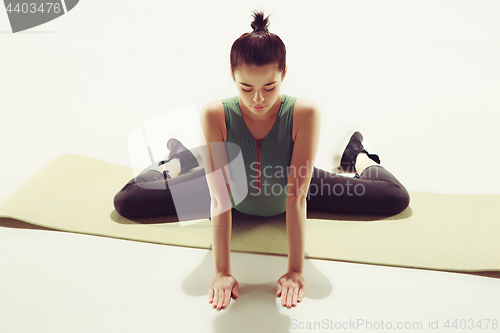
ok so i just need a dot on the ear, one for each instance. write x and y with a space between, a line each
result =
284 74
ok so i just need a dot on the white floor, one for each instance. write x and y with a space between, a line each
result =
61 282
419 79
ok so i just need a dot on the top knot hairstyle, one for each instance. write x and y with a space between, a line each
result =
259 47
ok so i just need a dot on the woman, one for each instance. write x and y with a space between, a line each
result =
277 136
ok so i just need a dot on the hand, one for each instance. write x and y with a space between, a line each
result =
291 288
223 287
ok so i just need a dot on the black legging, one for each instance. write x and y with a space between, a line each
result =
376 192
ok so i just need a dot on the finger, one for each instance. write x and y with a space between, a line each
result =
227 299
221 299
278 292
284 293
235 292
301 295
210 295
289 297
216 298
295 296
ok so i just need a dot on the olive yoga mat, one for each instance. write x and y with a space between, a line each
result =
437 231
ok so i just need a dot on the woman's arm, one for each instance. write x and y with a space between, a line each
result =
308 117
215 158
296 211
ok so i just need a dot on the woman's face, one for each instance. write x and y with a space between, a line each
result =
258 86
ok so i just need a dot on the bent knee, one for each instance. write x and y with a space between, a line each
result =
122 205
400 200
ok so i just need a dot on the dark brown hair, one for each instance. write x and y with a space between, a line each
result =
259 47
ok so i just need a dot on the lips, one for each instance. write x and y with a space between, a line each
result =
259 107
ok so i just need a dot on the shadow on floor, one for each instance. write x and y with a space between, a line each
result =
256 308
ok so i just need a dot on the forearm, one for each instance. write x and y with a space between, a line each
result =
221 238
296 212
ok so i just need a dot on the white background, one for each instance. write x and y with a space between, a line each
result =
419 79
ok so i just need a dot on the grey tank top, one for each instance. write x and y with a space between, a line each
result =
266 161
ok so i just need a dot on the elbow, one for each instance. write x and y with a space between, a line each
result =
297 194
296 199
220 205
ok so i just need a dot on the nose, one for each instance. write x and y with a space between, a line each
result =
258 98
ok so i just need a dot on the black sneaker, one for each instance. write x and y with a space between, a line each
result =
346 153
177 150
166 175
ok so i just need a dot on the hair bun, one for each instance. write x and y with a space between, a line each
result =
262 27
260 23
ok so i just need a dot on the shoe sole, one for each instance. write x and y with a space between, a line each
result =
339 151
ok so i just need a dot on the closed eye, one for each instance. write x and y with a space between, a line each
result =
264 89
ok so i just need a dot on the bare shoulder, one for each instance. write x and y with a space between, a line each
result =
305 113
214 109
305 106
213 114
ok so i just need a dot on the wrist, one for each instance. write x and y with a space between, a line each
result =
295 263
223 272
